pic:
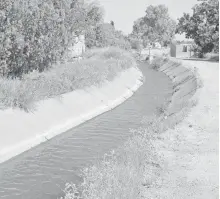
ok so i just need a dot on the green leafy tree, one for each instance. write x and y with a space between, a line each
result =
202 26
155 26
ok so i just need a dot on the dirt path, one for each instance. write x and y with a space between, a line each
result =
190 150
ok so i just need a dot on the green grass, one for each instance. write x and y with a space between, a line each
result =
127 172
96 67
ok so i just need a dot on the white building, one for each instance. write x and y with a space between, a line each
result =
78 48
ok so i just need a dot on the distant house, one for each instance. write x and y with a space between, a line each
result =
183 49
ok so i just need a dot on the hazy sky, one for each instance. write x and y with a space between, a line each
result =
125 12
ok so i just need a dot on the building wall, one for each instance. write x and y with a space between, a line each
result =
173 50
180 50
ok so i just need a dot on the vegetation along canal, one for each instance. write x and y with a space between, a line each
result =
42 172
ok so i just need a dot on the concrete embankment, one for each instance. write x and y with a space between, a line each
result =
20 131
184 84
190 149
41 170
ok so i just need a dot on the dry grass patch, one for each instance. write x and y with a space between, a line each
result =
98 65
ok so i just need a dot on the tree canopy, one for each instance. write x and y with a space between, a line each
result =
155 26
202 26
35 33
104 35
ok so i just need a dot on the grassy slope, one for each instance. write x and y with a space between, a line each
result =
97 66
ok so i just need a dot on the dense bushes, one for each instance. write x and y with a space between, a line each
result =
96 67
34 34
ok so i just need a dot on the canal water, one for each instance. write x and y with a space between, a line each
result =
42 172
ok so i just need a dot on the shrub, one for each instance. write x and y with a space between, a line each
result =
136 44
158 62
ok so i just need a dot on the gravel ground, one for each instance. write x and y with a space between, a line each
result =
190 150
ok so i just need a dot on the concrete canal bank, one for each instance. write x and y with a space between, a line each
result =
43 171
20 131
185 84
190 149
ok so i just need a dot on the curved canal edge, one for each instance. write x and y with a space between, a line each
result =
22 131
184 86
39 172
192 144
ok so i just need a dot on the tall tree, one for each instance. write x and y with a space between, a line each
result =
94 19
202 26
155 26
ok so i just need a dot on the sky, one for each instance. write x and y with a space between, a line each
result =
125 12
